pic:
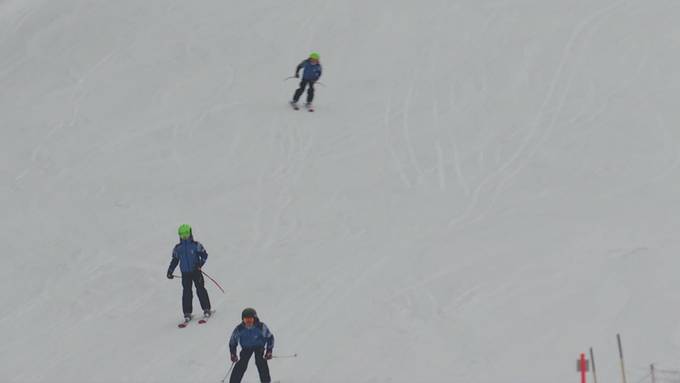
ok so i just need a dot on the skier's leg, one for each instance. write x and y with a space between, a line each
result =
201 291
310 92
299 90
241 366
262 366
187 293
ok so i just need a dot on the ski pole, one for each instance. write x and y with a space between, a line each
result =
214 281
318 82
177 276
228 371
284 356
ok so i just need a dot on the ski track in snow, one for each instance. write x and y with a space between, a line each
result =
505 171
397 163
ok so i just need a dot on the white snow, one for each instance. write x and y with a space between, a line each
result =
486 189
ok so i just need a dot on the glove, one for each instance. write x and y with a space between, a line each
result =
268 355
234 358
297 75
170 276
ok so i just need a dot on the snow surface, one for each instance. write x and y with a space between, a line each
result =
486 189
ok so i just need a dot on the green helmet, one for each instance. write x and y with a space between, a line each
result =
249 312
184 231
314 55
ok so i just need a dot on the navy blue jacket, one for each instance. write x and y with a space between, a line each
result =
189 254
257 336
311 71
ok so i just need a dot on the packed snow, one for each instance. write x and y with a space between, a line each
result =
486 189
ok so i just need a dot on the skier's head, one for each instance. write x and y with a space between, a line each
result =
184 232
249 315
314 56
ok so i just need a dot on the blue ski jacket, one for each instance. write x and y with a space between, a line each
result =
189 254
254 337
311 71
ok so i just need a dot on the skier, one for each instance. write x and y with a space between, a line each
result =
311 73
191 256
255 338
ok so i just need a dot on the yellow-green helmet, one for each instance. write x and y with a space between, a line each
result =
184 231
314 55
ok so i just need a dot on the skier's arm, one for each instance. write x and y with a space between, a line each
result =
297 69
173 262
268 337
320 71
202 255
233 341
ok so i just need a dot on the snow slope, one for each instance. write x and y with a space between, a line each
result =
486 189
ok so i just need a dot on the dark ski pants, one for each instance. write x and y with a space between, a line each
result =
195 277
309 84
242 365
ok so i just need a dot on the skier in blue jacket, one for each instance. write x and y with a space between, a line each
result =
191 256
311 72
254 338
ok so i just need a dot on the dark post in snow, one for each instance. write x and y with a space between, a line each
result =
623 367
651 367
592 361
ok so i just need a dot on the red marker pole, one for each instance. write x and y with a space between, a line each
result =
584 367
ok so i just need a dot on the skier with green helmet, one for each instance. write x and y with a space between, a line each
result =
311 72
191 256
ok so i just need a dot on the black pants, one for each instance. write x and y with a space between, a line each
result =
242 365
195 277
301 89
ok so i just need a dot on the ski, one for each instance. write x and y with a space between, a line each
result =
185 322
206 317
